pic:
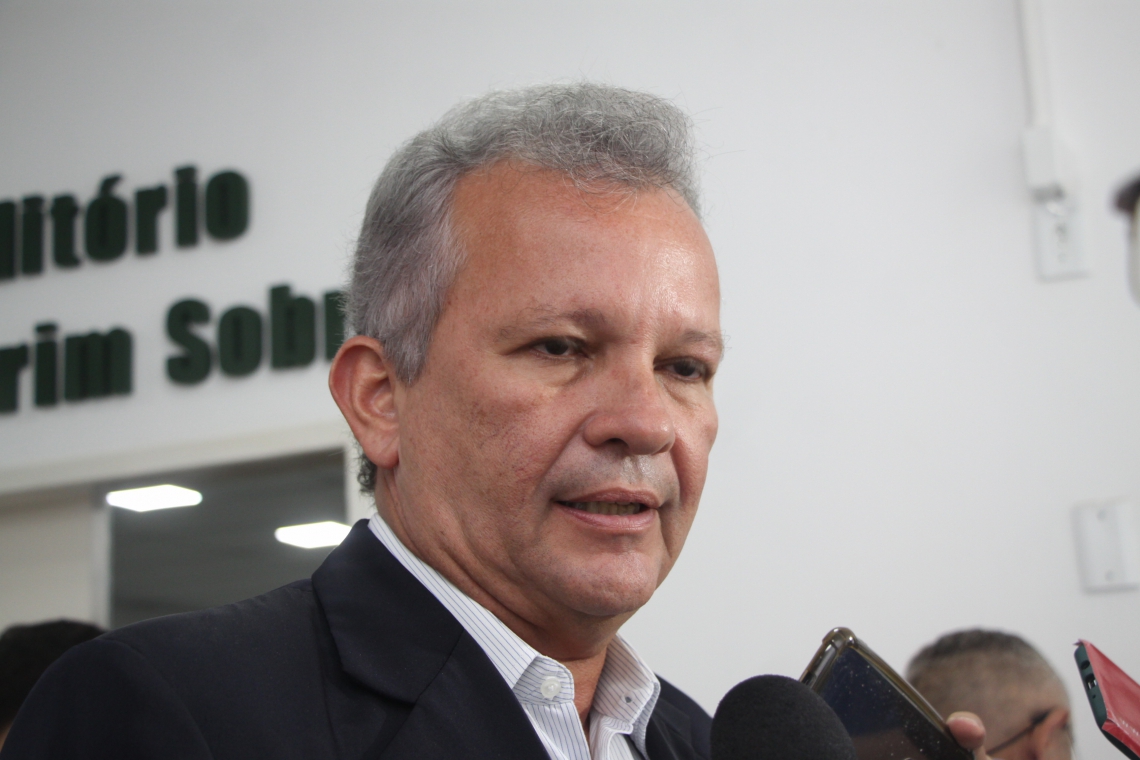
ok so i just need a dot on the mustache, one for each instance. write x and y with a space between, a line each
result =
599 472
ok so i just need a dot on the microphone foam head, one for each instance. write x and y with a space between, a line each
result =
777 718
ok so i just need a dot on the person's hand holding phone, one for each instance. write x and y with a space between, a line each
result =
968 730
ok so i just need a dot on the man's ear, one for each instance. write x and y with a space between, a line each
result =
363 386
1051 734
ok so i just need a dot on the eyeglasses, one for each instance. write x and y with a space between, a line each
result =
1034 722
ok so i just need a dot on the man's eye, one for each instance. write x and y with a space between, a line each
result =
688 369
555 347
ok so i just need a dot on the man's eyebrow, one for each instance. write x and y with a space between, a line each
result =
538 317
713 340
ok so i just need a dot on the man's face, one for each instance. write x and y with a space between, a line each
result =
556 444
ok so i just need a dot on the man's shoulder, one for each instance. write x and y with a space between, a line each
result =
243 679
260 624
682 712
279 635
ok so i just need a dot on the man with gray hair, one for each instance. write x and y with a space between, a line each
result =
537 319
536 309
1006 682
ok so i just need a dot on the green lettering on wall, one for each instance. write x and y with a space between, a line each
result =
12 360
7 240
334 322
186 206
148 203
292 323
46 373
193 365
32 234
64 209
227 205
97 365
239 341
105 224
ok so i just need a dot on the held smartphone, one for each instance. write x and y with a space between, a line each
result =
886 718
1113 696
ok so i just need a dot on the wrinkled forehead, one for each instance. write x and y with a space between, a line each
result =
507 200
544 243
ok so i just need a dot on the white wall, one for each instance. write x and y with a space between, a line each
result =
907 413
54 559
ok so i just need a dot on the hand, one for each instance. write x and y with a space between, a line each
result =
968 730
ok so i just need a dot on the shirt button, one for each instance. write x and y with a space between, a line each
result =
551 687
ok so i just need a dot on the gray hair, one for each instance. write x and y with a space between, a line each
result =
406 256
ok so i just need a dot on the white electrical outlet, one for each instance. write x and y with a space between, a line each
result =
1108 546
1055 233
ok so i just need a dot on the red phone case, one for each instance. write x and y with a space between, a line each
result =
1121 697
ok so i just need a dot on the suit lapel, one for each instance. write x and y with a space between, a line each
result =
668 736
394 637
468 712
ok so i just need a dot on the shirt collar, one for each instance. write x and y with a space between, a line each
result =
627 692
627 689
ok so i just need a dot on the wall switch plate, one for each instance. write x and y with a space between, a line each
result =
1055 238
1108 547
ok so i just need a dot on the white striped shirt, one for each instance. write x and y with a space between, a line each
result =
624 699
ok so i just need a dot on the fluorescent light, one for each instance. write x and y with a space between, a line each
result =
312 535
154 497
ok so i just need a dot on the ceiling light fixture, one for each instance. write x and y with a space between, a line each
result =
154 497
312 535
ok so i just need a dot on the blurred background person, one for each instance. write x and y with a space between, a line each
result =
26 651
1006 682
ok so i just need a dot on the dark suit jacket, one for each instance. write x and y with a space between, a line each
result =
361 661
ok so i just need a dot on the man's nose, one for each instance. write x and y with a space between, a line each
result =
633 411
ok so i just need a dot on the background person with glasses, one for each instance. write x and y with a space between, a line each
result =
1007 683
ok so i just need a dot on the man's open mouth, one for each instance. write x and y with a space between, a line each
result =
605 507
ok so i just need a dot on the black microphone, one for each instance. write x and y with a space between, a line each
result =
777 718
